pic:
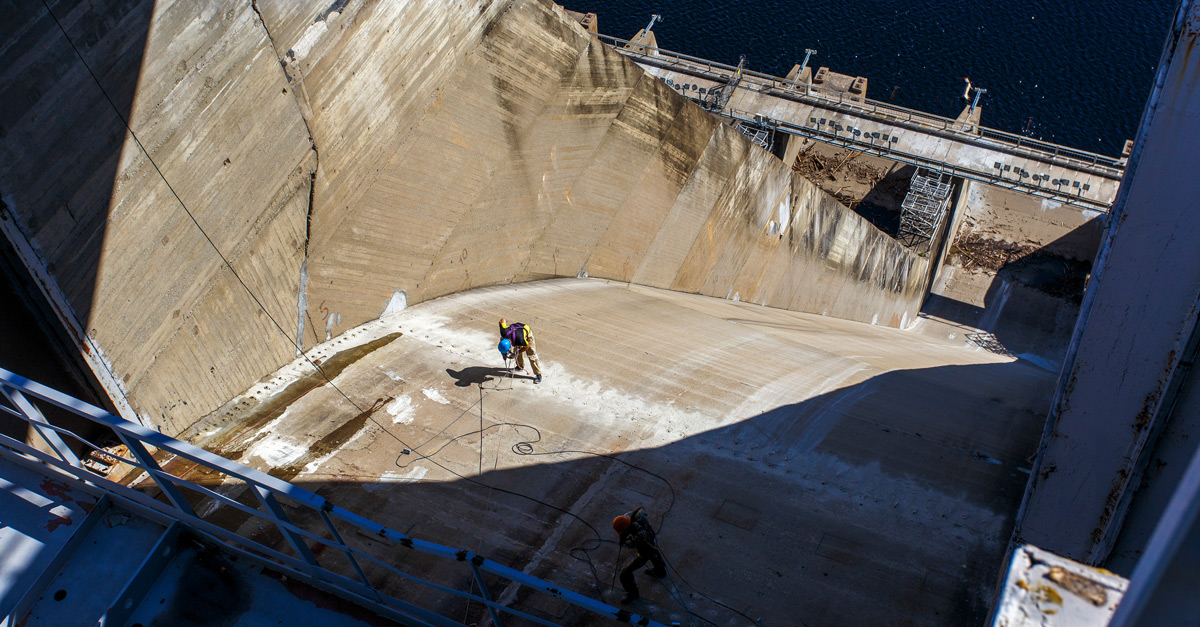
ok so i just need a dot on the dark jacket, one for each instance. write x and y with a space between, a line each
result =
517 333
640 535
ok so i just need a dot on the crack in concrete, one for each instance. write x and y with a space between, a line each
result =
302 106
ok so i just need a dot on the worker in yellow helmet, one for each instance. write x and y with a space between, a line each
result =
516 340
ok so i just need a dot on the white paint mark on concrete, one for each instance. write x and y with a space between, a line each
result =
309 39
401 409
987 458
276 452
875 319
975 195
797 384
398 303
227 488
413 475
215 99
393 376
1089 214
1050 205
435 396
330 320
473 344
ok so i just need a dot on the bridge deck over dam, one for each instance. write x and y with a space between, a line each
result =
961 147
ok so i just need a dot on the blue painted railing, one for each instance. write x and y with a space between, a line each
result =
303 562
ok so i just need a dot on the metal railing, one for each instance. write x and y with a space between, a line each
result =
1095 163
272 494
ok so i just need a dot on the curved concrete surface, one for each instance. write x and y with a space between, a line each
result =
346 158
802 469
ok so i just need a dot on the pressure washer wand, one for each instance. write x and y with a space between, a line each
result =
612 585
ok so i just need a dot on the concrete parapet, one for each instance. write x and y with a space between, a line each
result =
969 118
830 82
799 77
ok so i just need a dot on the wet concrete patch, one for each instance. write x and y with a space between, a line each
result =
329 443
242 415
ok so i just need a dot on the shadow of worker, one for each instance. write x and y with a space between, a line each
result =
472 375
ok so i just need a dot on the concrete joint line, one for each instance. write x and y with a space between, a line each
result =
302 287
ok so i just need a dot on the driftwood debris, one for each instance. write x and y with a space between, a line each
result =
976 252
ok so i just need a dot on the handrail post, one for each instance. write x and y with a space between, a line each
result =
483 591
281 520
346 549
41 425
152 468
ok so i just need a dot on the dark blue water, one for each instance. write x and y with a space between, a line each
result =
1075 72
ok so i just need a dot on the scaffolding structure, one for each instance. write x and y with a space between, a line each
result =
923 208
756 134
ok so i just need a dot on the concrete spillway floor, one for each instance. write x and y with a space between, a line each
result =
801 469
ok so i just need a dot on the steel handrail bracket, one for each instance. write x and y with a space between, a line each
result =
303 563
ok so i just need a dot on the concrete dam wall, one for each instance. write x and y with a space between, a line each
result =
349 157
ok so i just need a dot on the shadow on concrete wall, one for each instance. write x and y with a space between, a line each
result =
62 137
892 497
881 205
1031 304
